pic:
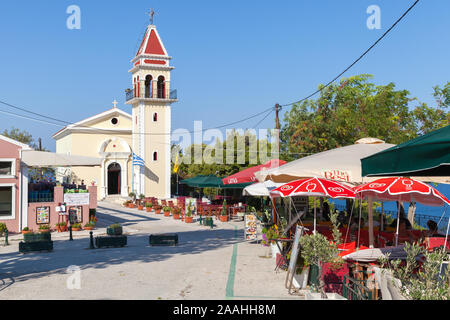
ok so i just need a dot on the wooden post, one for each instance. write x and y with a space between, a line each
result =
370 200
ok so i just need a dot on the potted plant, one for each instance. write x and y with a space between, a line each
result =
114 230
76 227
61 226
132 195
188 218
166 211
224 214
317 250
157 209
268 234
176 211
89 226
3 228
44 228
148 206
26 230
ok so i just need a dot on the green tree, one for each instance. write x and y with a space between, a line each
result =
20 136
355 108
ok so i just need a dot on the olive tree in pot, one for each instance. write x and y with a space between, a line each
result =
224 213
188 218
317 250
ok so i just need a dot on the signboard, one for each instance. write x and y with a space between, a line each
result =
43 215
341 175
294 256
76 215
250 227
76 199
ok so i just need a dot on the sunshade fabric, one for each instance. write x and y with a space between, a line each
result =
402 189
342 164
248 175
211 181
260 189
427 155
315 187
49 159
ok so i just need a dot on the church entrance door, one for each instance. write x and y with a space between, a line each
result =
114 171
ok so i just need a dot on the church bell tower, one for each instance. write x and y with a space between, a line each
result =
151 99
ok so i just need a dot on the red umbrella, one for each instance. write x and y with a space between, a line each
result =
248 175
401 190
315 187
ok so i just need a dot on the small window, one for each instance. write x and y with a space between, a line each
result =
6 202
155 156
6 168
114 121
155 117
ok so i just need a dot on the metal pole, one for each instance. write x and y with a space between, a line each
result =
398 224
70 233
315 213
6 237
91 242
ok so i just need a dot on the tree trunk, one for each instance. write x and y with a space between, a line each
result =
411 212
323 295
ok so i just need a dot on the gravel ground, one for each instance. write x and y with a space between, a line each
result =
207 264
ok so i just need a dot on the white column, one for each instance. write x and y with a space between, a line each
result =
23 211
168 126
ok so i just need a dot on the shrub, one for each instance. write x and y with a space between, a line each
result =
3 228
166 209
62 224
26 229
142 196
149 205
89 225
176 210
224 208
115 225
77 225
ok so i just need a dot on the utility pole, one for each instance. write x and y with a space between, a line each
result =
277 125
40 144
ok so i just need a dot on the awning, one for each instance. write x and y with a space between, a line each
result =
211 181
342 164
248 175
260 189
427 155
49 159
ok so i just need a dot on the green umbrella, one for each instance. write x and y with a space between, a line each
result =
211 181
427 155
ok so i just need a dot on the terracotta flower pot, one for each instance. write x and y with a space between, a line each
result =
61 228
131 205
189 219
148 209
166 213
223 218
27 232
88 228
158 211
140 207
176 216
76 229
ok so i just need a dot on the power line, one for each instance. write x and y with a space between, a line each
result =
357 60
269 113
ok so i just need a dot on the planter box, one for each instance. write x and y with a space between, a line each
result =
26 247
317 296
166 239
111 241
333 279
300 281
189 219
208 221
114 231
37 237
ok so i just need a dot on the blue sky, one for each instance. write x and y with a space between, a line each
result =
232 58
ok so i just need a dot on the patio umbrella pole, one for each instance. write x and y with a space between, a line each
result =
381 218
314 198
370 200
398 224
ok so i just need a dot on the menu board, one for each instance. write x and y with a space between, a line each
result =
76 215
76 199
43 215
250 227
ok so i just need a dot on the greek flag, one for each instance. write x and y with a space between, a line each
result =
138 161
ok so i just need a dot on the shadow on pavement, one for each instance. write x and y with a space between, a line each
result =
16 267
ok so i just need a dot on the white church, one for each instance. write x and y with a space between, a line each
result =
114 135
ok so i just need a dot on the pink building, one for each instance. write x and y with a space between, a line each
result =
30 205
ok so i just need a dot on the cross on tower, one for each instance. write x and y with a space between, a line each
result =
151 14
115 103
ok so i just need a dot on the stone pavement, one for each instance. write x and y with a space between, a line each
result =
207 264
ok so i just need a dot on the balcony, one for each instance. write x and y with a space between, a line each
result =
150 96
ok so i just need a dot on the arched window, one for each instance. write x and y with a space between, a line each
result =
161 88
155 156
148 86
155 117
